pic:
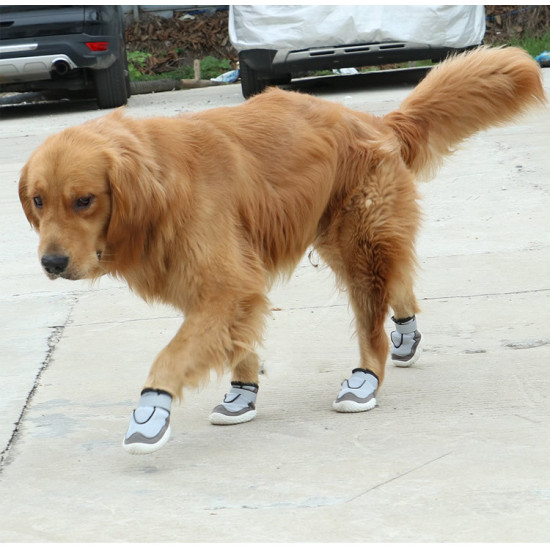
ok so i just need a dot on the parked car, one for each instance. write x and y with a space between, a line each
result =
76 49
275 43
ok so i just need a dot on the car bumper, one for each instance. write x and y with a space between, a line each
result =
31 60
358 55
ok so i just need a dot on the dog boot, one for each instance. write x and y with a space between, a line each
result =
149 428
358 393
406 342
238 406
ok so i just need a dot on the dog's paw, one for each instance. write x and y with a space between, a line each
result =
149 428
237 407
406 342
358 393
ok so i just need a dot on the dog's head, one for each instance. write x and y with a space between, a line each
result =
91 193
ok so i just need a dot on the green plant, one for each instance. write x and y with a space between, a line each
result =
136 60
533 44
212 67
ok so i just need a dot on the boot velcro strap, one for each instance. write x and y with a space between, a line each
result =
406 326
246 385
152 398
365 371
248 394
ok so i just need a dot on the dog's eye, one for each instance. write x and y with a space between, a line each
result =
83 202
38 201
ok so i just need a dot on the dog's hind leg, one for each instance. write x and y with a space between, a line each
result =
370 246
402 298
360 264
367 291
406 340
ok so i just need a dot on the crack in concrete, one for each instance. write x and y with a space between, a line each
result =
53 340
432 298
398 476
488 294
320 502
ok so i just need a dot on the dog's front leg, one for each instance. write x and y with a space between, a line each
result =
203 341
219 334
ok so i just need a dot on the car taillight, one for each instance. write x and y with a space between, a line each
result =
98 46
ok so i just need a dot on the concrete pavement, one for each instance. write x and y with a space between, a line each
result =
458 449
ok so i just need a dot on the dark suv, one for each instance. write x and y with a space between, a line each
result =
69 48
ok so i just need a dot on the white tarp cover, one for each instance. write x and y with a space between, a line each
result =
300 27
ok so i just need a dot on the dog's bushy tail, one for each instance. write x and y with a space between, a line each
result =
463 95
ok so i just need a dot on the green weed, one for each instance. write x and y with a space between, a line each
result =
210 68
136 61
533 44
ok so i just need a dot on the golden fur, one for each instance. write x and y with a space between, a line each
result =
203 210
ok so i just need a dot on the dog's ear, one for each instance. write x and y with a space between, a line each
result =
26 199
138 203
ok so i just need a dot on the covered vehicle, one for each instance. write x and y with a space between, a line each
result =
69 48
277 42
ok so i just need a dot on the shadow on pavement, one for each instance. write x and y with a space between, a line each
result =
35 104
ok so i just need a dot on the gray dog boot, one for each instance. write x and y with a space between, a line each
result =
406 342
149 428
238 406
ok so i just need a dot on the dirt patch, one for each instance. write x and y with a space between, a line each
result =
506 23
176 41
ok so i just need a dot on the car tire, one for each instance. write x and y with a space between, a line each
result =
251 81
111 85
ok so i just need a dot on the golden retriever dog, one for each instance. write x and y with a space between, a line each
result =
202 211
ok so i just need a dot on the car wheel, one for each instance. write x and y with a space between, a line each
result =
251 81
111 85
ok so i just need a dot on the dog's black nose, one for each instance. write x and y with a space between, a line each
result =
55 263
